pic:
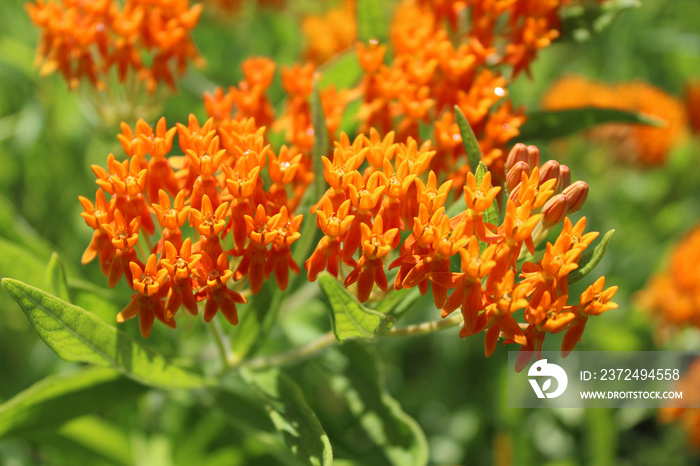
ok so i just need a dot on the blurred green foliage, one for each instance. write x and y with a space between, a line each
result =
50 136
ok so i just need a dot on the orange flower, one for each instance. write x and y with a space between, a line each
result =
498 315
171 219
468 293
102 212
478 199
376 244
334 225
217 294
180 267
147 301
124 237
593 302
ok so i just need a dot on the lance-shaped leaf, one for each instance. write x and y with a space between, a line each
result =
77 335
546 125
59 398
591 259
491 214
100 437
349 318
390 428
469 141
305 244
372 20
343 71
56 280
292 416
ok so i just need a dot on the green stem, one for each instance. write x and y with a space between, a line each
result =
426 327
221 344
297 354
328 339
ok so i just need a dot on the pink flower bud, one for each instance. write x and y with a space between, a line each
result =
514 176
564 179
549 171
555 210
576 194
533 156
517 154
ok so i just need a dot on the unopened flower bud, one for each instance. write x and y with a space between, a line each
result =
549 171
533 156
515 174
576 194
564 179
513 195
517 154
555 210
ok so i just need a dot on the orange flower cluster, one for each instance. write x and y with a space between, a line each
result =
674 296
249 100
363 213
242 227
82 39
437 63
641 144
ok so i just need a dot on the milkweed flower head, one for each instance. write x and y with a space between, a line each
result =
643 145
224 221
86 40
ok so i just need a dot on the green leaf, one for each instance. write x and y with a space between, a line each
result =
100 437
398 302
591 259
22 263
77 335
292 416
349 318
581 22
257 321
546 125
469 141
372 21
481 171
56 279
59 398
15 229
321 141
397 434
102 302
343 71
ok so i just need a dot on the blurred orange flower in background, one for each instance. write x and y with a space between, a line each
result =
640 144
673 296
